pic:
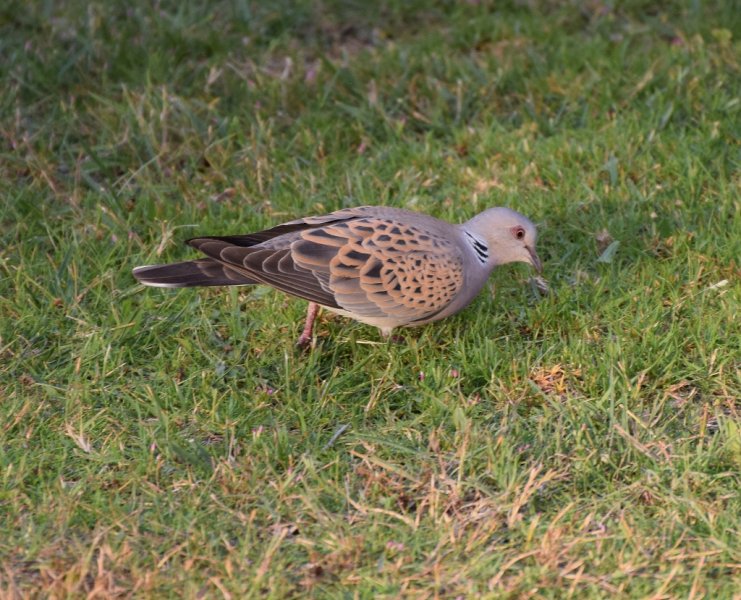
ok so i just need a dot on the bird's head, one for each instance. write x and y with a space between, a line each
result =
507 235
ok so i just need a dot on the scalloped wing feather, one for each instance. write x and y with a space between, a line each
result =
371 266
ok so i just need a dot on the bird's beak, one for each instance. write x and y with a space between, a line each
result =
535 260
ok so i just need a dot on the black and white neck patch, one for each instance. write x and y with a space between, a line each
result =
479 247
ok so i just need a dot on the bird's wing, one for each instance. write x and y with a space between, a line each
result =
370 266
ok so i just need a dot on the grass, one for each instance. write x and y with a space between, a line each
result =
161 443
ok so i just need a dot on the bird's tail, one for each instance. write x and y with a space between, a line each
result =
191 273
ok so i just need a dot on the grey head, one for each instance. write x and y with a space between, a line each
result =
504 236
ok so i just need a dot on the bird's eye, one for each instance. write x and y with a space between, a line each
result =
518 232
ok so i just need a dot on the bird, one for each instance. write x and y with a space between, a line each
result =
383 266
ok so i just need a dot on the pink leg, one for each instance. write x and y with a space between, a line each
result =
308 333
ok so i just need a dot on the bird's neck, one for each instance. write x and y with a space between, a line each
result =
479 247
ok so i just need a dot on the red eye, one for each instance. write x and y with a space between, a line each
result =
518 232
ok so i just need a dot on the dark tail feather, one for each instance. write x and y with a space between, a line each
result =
191 273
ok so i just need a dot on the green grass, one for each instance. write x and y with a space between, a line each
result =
158 443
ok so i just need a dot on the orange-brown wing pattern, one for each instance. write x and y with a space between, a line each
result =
373 267
378 267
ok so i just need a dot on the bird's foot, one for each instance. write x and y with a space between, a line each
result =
394 339
304 341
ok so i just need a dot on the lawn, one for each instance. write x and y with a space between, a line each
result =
174 443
